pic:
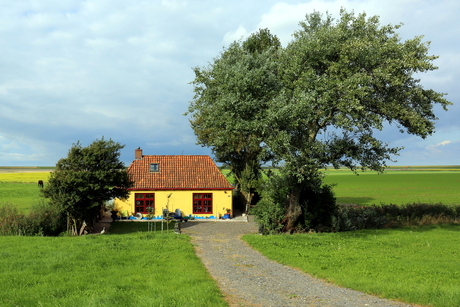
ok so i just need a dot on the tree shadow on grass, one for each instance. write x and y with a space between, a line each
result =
372 233
360 201
140 226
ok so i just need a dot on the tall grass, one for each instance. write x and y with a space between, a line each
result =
130 269
415 265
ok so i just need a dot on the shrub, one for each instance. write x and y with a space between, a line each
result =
43 219
355 217
318 206
270 210
418 211
349 218
47 220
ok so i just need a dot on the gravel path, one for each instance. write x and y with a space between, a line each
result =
247 278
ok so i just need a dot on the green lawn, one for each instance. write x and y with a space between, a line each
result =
128 269
419 265
131 267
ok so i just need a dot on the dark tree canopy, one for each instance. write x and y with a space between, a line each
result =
86 178
320 100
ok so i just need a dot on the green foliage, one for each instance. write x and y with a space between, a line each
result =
419 211
230 102
132 269
318 206
46 220
335 76
271 209
317 203
43 219
355 217
415 265
343 79
317 102
87 178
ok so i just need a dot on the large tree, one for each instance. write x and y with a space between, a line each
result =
343 81
230 103
85 179
330 90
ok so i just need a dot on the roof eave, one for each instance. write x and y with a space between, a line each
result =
179 189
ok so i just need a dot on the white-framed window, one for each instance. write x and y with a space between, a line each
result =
154 167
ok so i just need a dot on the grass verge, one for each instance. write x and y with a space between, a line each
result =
129 269
415 265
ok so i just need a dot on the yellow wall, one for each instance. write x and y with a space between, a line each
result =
221 201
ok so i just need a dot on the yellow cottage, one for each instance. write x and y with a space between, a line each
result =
192 184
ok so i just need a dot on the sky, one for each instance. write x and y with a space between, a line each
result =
79 70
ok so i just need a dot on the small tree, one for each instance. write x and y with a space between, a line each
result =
87 178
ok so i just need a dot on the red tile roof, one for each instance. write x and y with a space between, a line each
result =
177 172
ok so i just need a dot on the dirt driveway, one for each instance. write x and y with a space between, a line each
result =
247 278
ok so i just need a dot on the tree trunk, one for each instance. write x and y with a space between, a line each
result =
248 199
293 211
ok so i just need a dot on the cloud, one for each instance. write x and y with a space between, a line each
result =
236 35
438 148
444 143
79 70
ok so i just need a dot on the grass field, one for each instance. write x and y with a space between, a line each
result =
20 188
399 185
134 268
127 268
396 187
21 195
416 265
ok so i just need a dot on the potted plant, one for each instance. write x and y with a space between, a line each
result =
113 214
228 215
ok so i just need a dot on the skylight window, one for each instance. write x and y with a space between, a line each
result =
154 167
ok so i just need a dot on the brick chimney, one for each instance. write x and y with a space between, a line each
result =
138 153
